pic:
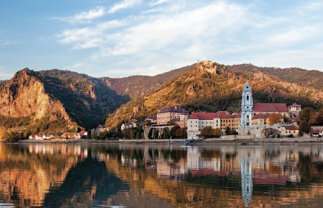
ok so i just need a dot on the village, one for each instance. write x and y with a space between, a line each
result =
256 120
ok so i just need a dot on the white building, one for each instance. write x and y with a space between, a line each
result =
197 121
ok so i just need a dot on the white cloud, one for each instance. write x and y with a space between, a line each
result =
84 17
88 37
75 66
157 2
124 4
170 30
180 32
295 35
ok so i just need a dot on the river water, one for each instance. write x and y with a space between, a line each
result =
151 175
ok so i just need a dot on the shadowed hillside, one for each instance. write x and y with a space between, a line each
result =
135 86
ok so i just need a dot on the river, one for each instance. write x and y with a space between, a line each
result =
161 175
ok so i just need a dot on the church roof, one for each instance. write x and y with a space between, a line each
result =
247 86
295 105
270 107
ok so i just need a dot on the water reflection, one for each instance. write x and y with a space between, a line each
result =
75 175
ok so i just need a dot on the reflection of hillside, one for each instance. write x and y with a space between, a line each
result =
180 194
158 176
86 183
25 178
221 191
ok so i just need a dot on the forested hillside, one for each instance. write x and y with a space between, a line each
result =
213 87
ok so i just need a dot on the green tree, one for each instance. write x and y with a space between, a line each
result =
319 118
207 132
217 132
307 117
165 134
228 131
173 131
156 134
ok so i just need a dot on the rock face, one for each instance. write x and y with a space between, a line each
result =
211 87
24 95
56 98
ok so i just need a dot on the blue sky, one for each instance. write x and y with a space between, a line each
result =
118 38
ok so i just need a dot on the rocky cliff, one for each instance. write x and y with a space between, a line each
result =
55 100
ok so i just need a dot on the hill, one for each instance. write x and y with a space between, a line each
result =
135 86
55 101
302 77
211 87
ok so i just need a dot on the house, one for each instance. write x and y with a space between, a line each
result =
228 120
126 126
165 115
287 130
270 108
221 120
32 137
40 136
100 128
294 109
183 121
151 119
48 136
67 135
316 131
83 133
260 119
197 121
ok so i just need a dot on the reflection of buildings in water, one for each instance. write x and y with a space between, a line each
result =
196 162
246 182
61 149
172 171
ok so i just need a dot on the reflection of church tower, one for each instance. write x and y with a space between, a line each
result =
246 182
246 105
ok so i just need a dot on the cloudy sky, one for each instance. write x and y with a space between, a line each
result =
124 37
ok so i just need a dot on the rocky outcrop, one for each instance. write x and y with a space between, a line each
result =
24 95
56 99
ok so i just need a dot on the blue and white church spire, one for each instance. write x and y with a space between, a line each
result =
246 182
246 105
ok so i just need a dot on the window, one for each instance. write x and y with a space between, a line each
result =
247 97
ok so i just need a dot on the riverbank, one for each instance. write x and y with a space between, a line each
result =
174 141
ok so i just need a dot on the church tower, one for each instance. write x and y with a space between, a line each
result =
246 105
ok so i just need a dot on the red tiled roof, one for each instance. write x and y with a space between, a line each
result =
210 116
293 128
270 107
295 105
203 116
